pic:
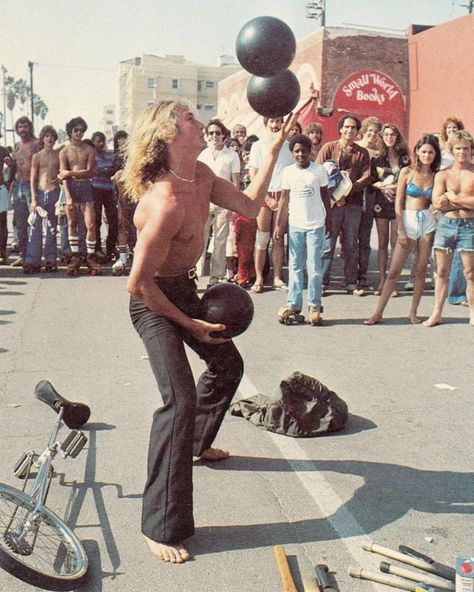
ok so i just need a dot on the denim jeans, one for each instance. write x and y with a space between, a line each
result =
191 414
46 226
457 281
305 250
345 219
21 211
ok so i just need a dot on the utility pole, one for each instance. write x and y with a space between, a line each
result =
469 6
317 10
30 66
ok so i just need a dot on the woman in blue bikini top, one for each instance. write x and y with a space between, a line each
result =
414 189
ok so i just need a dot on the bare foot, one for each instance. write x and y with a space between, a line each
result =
432 321
214 454
414 320
169 553
373 320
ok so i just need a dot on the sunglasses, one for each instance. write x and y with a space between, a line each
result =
214 133
79 130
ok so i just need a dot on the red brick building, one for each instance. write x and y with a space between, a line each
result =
414 81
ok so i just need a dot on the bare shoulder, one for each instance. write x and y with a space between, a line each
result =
203 172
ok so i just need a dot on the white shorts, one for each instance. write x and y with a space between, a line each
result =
417 223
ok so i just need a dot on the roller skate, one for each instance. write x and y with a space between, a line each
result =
73 266
93 265
118 268
314 315
30 268
287 315
51 267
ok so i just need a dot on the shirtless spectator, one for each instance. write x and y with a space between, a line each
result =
77 161
453 195
21 193
314 131
239 132
44 195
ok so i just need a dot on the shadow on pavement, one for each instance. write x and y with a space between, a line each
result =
389 492
76 500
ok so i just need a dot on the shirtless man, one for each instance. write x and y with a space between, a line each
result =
453 194
44 195
174 192
21 193
77 163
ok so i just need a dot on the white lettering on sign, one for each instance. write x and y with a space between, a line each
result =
381 88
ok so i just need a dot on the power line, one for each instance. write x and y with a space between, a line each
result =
68 67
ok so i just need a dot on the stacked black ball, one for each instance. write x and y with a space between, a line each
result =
265 47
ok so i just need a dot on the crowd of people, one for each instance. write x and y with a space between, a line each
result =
380 179
319 194
64 190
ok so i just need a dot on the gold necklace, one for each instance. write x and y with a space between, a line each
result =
182 178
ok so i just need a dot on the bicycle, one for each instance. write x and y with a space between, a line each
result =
36 546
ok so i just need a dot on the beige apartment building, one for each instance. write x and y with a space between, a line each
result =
149 78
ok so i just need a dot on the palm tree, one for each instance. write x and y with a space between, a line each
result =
40 107
22 91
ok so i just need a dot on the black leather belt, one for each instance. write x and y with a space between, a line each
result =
191 274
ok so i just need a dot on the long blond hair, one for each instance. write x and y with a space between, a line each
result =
147 147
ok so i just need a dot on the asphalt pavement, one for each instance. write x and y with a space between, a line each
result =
401 472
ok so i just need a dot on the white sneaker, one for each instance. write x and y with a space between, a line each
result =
18 262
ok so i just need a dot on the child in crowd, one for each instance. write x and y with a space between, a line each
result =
305 206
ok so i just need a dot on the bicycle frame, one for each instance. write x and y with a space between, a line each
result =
27 519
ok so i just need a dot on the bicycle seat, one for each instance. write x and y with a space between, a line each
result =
75 415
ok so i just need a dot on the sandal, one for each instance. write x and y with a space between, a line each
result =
257 288
281 286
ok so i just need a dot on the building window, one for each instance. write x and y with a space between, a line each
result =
175 83
151 82
198 107
208 107
200 84
209 84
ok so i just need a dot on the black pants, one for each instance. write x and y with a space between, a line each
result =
3 234
106 199
191 414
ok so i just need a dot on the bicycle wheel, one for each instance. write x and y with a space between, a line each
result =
37 547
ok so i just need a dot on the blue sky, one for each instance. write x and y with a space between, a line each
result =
77 44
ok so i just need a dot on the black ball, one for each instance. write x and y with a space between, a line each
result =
275 96
265 45
230 305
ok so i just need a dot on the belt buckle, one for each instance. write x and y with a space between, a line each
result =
192 274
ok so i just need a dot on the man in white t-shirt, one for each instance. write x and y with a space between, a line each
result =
305 206
224 163
267 215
